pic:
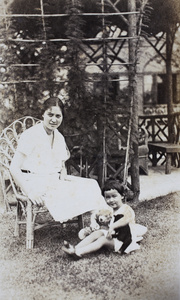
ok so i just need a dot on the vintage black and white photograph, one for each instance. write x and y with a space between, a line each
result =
89 149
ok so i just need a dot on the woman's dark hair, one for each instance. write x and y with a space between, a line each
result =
113 184
53 101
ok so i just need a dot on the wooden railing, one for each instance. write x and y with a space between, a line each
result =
157 127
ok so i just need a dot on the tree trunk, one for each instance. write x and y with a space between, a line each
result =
134 99
101 154
169 92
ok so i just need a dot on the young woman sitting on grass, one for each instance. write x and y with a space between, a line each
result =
123 233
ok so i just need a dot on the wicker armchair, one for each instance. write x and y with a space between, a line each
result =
26 212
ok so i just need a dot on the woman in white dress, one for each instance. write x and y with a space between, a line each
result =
38 167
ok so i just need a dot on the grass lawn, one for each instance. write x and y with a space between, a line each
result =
46 273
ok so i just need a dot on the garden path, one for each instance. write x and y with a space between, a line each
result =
157 183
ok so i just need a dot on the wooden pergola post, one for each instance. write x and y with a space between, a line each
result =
132 32
169 92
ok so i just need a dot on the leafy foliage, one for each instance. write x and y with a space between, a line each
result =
86 110
164 14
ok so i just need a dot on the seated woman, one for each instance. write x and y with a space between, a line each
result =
38 167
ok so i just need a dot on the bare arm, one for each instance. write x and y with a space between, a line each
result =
17 174
126 219
128 216
93 224
63 171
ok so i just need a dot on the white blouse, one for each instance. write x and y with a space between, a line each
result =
41 157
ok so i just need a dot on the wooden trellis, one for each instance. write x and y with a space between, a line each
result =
104 52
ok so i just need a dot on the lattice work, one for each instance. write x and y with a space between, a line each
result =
157 127
87 164
158 43
177 128
109 51
160 158
114 45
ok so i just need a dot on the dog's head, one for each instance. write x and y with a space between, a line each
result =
103 216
